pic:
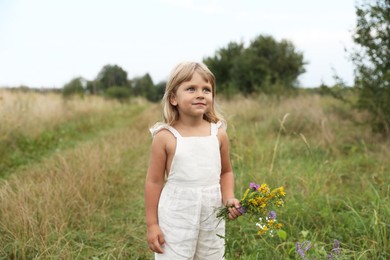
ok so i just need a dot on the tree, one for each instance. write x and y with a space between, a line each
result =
74 87
160 90
120 93
372 61
143 86
264 66
267 65
111 75
221 65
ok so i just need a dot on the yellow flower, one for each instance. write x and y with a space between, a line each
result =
281 191
245 194
263 188
260 200
271 195
278 226
253 202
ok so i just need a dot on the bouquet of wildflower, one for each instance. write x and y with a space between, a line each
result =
258 202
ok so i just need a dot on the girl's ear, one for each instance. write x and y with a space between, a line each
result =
172 100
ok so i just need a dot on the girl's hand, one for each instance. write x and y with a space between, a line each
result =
155 239
233 204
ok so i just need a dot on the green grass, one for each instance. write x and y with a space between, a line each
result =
85 200
20 150
334 192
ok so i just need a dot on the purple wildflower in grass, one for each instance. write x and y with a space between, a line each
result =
302 248
272 215
336 247
336 250
254 186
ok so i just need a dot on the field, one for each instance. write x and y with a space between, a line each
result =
72 174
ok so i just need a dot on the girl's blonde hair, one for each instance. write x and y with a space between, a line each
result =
181 73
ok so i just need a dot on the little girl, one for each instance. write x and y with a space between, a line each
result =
191 147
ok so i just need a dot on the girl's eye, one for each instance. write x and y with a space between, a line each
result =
191 89
207 90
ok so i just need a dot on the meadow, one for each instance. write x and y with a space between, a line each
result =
72 173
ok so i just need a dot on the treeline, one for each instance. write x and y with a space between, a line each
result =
266 65
112 81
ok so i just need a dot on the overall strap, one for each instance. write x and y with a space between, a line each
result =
216 126
214 129
174 131
159 126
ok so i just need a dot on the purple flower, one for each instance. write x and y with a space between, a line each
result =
254 186
272 215
302 248
336 249
336 246
242 210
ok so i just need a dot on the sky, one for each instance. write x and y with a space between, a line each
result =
47 43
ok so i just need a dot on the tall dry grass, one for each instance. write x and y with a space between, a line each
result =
320 121
55 208
29 113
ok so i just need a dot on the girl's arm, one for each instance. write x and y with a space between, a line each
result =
153 186
227 176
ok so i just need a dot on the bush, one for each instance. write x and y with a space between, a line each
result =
120 93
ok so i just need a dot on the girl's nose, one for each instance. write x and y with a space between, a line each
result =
200 94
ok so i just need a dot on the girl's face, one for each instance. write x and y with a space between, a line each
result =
194 97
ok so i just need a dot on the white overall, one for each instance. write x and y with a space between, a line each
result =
188 201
